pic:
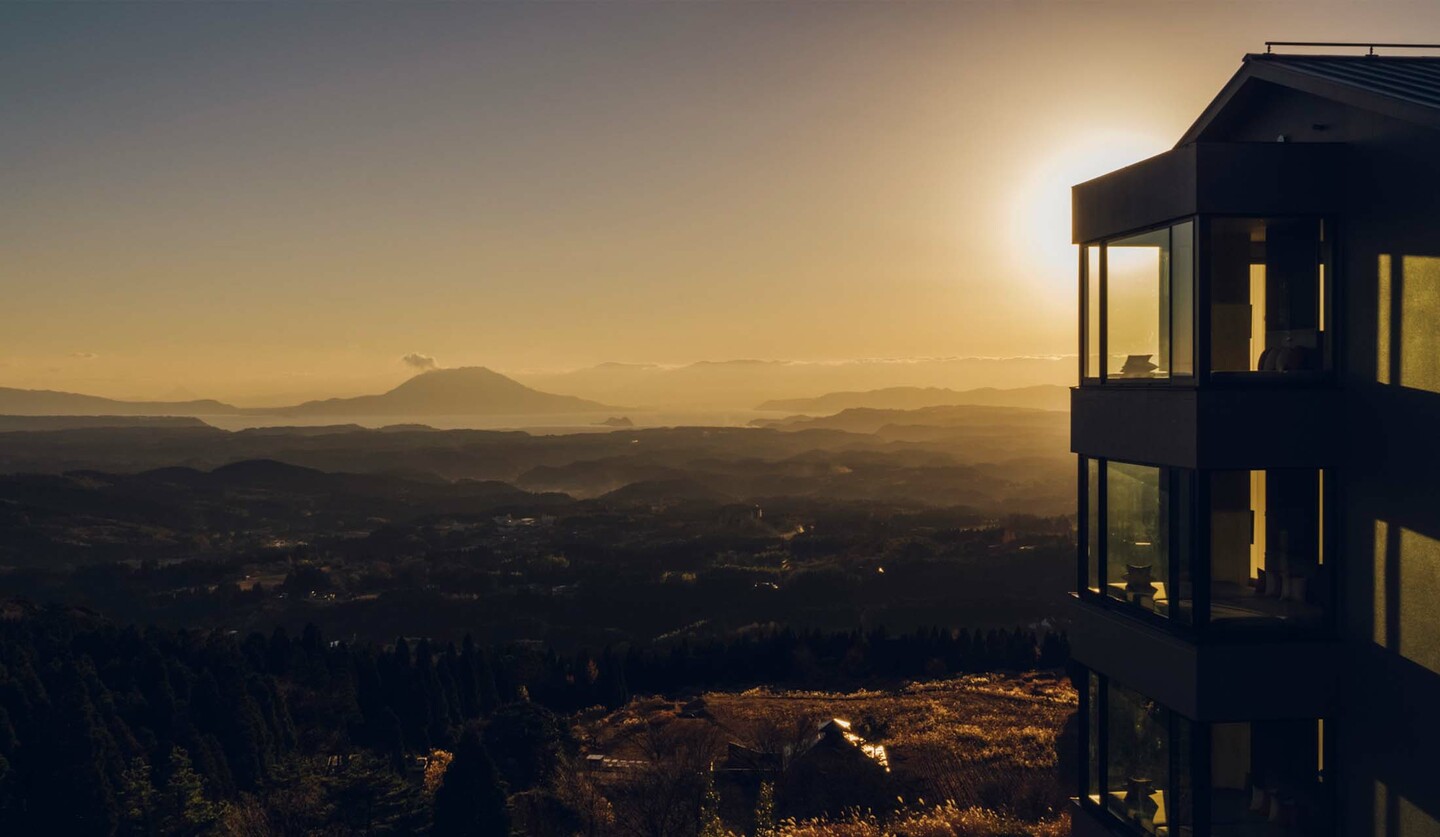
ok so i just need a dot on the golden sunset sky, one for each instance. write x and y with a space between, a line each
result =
253 201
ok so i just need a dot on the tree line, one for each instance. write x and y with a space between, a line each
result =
108 729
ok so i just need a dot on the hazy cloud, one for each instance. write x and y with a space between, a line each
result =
418 361
84 355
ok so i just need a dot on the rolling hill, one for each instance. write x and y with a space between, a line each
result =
1041 397
45 402
734 384
472 390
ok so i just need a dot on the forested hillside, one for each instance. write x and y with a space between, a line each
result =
108 729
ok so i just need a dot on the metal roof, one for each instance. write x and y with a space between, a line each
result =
1406 87
1408 78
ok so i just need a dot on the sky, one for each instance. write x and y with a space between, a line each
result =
254 201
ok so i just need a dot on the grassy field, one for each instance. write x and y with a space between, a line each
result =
971 756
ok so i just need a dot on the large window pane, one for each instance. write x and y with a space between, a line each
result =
1093 525
1094 772
1266 568
1137 776
1137 560
1180 810
1139 758
1092 311
1265 295
1181 537
1137 287
1182 299
1265 778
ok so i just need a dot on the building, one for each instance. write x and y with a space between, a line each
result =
833 771
1257 604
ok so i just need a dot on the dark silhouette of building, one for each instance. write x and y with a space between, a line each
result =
833 771
1257 612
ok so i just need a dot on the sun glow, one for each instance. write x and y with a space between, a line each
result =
1040 212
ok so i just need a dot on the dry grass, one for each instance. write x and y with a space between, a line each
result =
940 821
970 756
978 741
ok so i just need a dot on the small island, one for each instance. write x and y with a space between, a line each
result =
616 421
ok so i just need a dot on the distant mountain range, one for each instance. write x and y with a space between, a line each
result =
871 420
728 386
10 424
472 390
739 384
1042 397
44 402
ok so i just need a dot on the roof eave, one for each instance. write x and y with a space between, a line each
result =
1218 104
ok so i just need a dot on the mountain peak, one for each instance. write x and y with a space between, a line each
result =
464 390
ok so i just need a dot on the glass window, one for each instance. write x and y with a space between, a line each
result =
1181 816
1093 772
1266 565
1148 296
1147 775
1181 508
1138 536
1182 299
1265 284
1266 569
1093 525
1092 312
1137 292
1266 778
1136 558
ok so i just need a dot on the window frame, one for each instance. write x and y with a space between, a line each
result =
1198 755
1196 516
1330 258
1103 377
1199 760
1170 477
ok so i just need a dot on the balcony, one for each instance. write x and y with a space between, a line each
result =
1253 680
1231 427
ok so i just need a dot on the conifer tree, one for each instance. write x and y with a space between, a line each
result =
471 801
186 808
137 797
710 824
765 811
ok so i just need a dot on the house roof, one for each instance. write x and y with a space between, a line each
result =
1406 87
1407 78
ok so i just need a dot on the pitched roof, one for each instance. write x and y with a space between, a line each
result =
1406 87
1408 78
